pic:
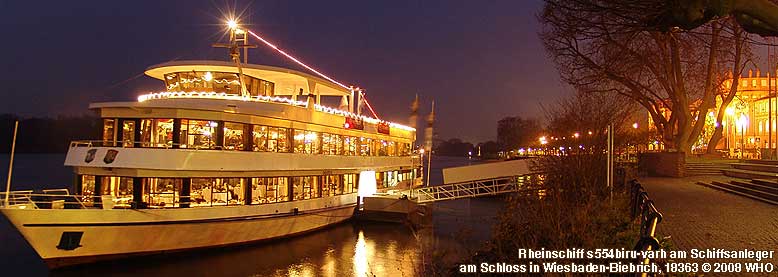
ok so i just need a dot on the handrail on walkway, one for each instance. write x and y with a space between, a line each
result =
650 217
475 188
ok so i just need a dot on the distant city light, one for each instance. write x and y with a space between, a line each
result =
635 125
576 135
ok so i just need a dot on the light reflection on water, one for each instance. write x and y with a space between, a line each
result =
348 249
360 255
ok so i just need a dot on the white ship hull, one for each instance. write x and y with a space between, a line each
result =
118 233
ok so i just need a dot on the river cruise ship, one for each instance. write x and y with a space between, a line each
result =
228 153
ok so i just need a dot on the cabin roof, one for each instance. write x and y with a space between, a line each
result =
287 81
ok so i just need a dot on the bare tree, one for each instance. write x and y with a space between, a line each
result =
585 113
739 53
605 47
515 132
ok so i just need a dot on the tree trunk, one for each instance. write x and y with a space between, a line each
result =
718 134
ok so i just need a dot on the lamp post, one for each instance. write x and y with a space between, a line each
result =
742 121
730 116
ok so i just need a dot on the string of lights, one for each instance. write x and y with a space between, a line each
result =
297 61
282 52
232 24
263 98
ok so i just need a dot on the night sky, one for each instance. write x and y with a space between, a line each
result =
479 60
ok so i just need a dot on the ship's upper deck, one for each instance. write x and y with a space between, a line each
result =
222 76
212 90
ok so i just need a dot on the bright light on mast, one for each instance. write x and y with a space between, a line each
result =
232 24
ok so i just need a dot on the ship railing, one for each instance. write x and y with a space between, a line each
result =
139 144
415 158
132 144
47 199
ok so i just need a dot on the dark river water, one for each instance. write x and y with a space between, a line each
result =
353 248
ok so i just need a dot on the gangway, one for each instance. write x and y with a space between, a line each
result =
491 178
474 188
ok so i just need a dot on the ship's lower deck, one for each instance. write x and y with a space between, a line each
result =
72 236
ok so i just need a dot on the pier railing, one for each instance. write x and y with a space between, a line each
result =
477 188
644 209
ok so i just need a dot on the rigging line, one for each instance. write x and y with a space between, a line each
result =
271 45
102 91
368 105
123 82
297 61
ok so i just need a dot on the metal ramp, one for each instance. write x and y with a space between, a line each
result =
476 188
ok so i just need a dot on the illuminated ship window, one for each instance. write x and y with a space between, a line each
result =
219 82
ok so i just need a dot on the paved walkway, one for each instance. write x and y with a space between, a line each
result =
700 217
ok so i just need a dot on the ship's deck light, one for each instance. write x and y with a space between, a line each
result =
262 98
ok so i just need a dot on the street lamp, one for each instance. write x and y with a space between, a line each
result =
730 112
742 122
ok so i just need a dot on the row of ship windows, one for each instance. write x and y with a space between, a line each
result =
219 82
206 192
205 134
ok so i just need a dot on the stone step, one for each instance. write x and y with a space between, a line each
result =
708 168
768 201
755 186
704 172
765 182
709 163
749 174
767 162
747 190
718 166
756 167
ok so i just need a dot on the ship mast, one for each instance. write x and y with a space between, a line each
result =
238 41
